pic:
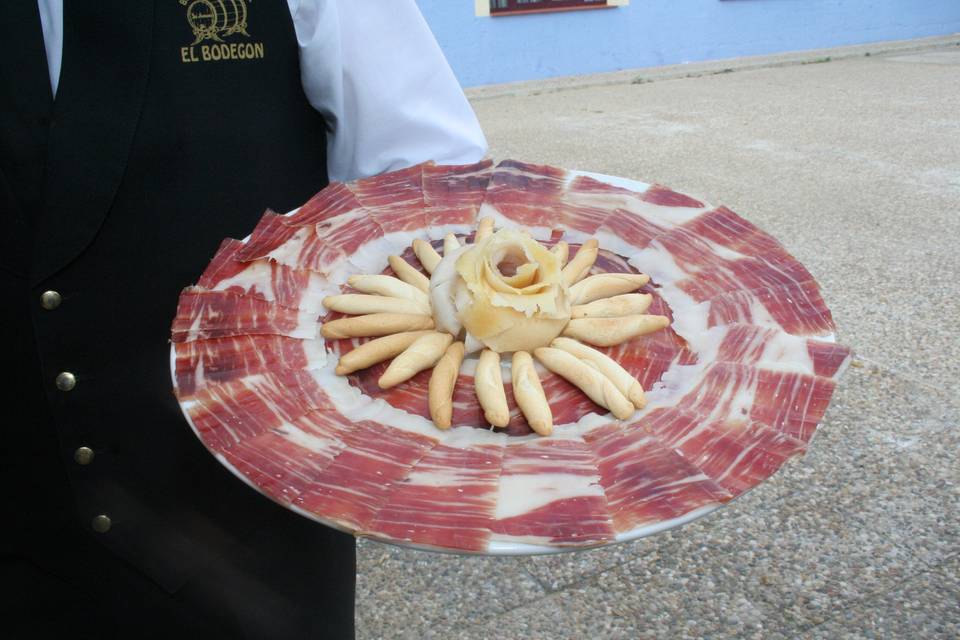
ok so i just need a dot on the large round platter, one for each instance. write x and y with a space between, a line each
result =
736 385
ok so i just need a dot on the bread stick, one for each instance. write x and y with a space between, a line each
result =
597 386
374 324
620 377
562 251
426 254
450 244
443 380
488 382
361 303
484 229
370 353
408 274
582 262
529 395
627 304
605 285
388 286
606 332
422 354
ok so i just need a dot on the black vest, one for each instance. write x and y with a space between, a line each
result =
174 126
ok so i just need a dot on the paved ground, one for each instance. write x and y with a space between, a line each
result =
854 164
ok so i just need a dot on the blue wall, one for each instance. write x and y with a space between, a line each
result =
657 32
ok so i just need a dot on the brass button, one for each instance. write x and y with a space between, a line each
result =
101 523
83 455
50 300
66 381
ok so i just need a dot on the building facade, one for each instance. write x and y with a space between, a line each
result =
493 41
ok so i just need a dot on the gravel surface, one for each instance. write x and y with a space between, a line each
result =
854 164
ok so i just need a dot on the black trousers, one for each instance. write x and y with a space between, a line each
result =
274 585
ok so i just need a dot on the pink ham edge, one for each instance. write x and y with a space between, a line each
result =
335 199
199 363
452 194
262 279
447 501
395 199
226 414
756 345
575 511
354 487
644 481
203 314
796 308
736 455
283 466
790 402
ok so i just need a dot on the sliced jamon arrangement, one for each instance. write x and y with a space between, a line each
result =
281 348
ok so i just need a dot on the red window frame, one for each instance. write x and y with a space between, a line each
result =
512 7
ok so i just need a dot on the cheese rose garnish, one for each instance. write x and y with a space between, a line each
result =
508 293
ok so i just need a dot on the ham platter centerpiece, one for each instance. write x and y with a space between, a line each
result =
504 359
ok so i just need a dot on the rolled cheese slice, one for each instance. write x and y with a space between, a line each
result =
620 377
488 382
422 354
378 350
406 272
443 381
607 332
605 285
597 386
374 324
528 393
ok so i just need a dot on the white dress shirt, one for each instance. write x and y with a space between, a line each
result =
375 71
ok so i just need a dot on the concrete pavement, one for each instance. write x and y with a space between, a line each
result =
854 164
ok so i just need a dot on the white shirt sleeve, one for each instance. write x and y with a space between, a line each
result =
374 69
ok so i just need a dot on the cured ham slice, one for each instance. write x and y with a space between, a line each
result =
771 348
294 246
447 501
394 199
550 492
796 308
525 195
791 402
644 481
263 279
452 194
737 455
203 314
202 362
703 269
270 233
225 414
353 488
286 461
334 200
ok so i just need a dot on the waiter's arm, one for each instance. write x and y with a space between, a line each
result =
374 69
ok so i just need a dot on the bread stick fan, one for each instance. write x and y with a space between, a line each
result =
174 124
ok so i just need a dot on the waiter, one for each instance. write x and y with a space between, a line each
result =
134 137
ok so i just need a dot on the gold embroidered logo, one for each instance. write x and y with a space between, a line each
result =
214 20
